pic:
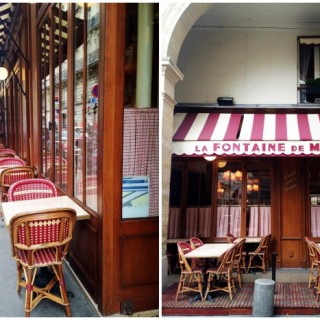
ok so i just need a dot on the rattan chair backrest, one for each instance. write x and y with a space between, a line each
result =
31 189
7 162
6 150
195 242
227 259
264 244
230 237
13 174
42 229
184 248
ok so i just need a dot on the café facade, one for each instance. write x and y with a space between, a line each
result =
79 104
245 143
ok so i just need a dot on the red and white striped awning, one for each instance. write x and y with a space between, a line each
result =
246 134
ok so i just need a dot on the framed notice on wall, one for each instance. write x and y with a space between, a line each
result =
135 197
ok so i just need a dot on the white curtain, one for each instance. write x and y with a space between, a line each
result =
141 149
174 223
315 221
191 222
265 221
204 222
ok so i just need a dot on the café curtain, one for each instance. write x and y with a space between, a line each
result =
141 150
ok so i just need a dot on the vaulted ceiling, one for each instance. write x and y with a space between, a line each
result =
262 15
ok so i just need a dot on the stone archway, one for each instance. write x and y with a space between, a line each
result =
177 19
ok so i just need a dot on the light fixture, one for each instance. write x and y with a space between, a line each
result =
238 175
222 164
255 187
3 73
210 158
226 175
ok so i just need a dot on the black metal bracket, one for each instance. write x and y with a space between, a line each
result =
14 41
16 77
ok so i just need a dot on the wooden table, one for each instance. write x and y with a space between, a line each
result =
209 250
10 209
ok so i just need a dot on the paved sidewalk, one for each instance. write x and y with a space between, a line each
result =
12 305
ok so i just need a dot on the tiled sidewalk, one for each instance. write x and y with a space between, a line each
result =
12 305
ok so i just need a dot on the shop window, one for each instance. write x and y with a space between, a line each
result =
86 101
229 196
309 70
241 193
258 199
314 199
140 183
53 53
70 152
190 199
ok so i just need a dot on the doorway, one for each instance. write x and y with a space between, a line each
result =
292 213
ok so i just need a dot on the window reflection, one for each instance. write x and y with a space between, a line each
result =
229 197
86 102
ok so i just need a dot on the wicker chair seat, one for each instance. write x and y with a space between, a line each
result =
41 257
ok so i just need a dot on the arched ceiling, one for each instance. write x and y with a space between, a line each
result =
262 15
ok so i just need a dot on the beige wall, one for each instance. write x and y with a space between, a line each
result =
253 66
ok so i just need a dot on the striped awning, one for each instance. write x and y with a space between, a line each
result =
246 134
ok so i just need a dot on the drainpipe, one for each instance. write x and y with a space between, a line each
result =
144 55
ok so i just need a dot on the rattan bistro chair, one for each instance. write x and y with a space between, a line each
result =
190 277
314 264
220 278
11 175
260 254
239 260
28 189
41 239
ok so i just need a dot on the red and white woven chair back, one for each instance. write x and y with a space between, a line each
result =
196 242
29 189
2 150
184 248
42 237
11 175
11 162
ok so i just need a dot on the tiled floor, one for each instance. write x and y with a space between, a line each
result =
292 297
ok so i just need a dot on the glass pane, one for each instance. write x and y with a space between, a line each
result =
258 199
140 190
229 198
93 28
60 93
86 113
45 97
314 187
